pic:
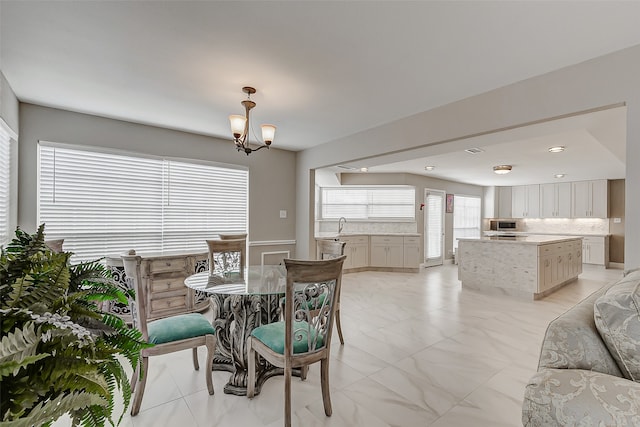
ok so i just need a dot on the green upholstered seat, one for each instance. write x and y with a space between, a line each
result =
178 328
272 335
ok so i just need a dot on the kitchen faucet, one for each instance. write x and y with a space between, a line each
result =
341 224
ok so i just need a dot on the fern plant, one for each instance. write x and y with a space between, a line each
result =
59 352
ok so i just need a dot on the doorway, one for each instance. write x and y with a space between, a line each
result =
433 227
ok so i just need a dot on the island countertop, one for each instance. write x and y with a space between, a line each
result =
534 239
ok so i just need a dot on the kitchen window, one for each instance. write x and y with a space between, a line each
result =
368 203
103 203
466 218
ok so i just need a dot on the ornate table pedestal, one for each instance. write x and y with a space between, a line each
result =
235 316
239 306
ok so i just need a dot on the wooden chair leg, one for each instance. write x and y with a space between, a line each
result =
303 372
211 342
251 369
287 395
137 399
196 365
339 326
324 381
134 377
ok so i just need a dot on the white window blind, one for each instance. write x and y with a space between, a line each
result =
466 218
5 187
103 204
368 203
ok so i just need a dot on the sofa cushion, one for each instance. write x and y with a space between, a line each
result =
617 317
576 397
572 341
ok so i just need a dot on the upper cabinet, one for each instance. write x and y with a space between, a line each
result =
555 200
590 199
504 202
525 201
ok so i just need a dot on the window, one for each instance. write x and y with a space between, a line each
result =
368 203
104 204
6 186
466 218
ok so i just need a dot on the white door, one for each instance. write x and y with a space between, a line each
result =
433 227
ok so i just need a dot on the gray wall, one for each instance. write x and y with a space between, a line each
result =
597 83
272 184
8 104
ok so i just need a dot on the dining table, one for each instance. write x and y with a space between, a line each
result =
241 303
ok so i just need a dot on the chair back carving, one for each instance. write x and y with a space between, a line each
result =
328 249
227 256
311 297
132 270
233 236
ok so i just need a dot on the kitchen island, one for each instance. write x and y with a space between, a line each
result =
524 266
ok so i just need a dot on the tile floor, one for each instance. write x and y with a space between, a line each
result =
419 351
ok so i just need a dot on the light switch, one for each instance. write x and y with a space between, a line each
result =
283 214
617 220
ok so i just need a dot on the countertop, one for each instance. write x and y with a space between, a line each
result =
525 233
535 239
330 235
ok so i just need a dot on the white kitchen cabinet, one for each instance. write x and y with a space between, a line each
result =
387 251
357 252
555 200
525 201
595 250
411 252
558 263
504 202
590 199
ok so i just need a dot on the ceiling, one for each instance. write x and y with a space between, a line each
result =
323 69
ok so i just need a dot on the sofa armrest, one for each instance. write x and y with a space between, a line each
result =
575 397
573 342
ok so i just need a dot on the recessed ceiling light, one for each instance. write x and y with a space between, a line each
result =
502 169
429 168
557 149
364 169
558 175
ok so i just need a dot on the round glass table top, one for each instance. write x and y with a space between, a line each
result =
258 280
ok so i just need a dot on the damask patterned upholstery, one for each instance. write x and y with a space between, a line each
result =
579 382
617 318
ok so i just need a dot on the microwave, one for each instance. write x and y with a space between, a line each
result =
496 225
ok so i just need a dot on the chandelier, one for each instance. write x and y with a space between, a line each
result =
240 126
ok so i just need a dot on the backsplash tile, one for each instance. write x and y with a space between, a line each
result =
565 225
367 227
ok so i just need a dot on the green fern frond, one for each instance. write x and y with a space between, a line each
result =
12 367
53 409
20 343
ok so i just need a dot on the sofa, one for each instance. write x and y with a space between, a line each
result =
589 364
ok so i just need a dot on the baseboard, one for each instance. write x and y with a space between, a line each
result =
616 265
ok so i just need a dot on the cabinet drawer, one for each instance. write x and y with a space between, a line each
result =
167 264
351 240
166 285
387 240
412 240
596 239
178 302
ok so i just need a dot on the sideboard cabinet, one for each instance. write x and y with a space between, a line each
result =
164 275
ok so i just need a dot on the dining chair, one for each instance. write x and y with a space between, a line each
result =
328 249
227 257
302 338
233 236
170 334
